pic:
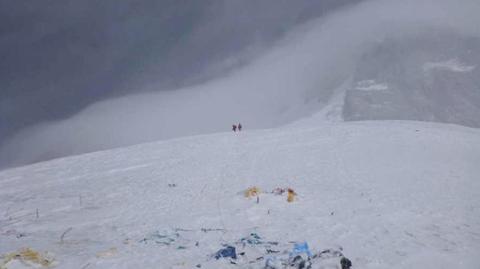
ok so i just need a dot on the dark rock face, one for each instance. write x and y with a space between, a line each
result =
427 77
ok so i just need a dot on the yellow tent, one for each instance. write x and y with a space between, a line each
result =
252 191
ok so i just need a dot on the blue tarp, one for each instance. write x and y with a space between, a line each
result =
227 252
300 248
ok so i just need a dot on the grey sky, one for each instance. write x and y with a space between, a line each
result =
58 56
75 75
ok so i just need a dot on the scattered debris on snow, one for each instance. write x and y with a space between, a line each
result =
252 192
28 258
345 199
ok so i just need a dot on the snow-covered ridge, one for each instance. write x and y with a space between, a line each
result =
391 194
382 40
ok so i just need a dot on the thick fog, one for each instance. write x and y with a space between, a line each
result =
57 57
387 54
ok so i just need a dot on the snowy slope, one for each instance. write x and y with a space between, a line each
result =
391 194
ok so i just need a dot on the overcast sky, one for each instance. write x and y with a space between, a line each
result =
80 76
58 56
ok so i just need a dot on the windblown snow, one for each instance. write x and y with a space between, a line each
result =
371 85
453 65
387 194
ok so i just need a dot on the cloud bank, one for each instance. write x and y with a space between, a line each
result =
291 80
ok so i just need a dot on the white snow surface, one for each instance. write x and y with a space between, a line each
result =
392 194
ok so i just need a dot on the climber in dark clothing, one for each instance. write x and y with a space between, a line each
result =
239 127
234 128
